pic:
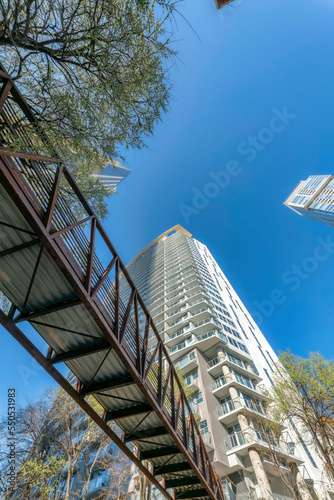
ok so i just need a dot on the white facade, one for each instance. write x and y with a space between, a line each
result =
228 363
314 198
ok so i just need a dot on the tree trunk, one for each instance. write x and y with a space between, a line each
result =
69 480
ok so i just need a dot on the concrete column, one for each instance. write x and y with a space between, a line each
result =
232 390
261 476
246 430
299 481
255 458
226 371
220 354
233 393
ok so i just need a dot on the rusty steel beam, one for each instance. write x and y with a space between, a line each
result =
190 493
128 411
53 198
20 229
55 234
38 260
89 270
171 468
181 481
28 156
58 306
80 352
151 432
4 93
160 452
104 276
106 385
127 315
18 248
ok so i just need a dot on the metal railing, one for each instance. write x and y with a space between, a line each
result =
250 436
238 403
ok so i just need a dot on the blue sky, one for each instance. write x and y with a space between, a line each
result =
255 60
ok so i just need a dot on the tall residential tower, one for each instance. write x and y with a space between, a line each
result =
314 198
228 364
112 175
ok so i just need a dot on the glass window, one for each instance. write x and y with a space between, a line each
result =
227 404
242 379
252 403
236 436
269 377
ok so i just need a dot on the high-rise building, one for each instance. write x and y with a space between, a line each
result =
228 364
314 198
112 175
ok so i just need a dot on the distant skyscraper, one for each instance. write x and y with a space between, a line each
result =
228 364
314 198
112 175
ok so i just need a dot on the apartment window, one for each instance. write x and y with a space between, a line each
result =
252 332
252 403
269 364
203 426
227 404
270 357
192 376
236 437
268 376
235 360
199 398
242 379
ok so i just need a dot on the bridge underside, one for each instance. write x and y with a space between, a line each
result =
87 310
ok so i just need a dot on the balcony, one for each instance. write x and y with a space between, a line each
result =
178 301
188 363
198 292
195 289
193 384
211 338
227 412
171 326
207 439
241 441
177 311
177 294
214 366
306 475
220 386
201 326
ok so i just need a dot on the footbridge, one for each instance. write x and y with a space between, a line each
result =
62 275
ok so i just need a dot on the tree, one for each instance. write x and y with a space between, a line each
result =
95 72
58 443
304 392
35 465
119 469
